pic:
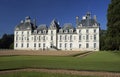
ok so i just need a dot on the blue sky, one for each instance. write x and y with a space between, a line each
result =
65 11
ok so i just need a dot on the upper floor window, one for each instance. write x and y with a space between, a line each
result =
87 37
79 31
22 32
27 32
34 38
94 30
94 37
70 37
87 31
44 31
43 38
39 38
51 37
16 33
79 37
51 32
60 37
65 37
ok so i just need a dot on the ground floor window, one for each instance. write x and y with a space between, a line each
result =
27 45
94 45
16 45
79 45
87 45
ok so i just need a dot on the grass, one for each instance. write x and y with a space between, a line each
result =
39 74
98 61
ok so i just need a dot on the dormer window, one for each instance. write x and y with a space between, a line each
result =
44 31
39 32
71 31
35 31
66 31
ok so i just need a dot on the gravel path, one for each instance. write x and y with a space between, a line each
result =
60 71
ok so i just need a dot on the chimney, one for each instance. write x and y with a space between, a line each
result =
34 22
77 20
95 18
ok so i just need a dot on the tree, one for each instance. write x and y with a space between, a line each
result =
6 41
113 25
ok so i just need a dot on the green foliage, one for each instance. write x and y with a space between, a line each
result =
6 41
39 74
113 32
98 61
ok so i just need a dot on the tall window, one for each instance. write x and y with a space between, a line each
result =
87 37
79 37
60 37
65 45
43 45
94 37
87 31
22 45
60 45
16 38
79 31
51 37
16 45
34 38
22 33
39 45
94 45
39 38
27 32
65 37
34 44
94 30
27 45
43 38
79 45
70 45
51 32
87 45
70 37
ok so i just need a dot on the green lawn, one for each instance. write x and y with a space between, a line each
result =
39 74
98 61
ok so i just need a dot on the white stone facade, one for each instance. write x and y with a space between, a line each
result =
85 37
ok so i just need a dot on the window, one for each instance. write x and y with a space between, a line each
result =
70 45
51 32
34 44
87 31
94 30
87 37
27 32
60 37
70 37
79 37
94 45
22 45
60 45
39 38
16 33
51 37
27 45
65 45
87 45
43 45
22 32
34 38
43 38
39 45
22 38
79 31
65 37
94 37
16 38
79 45
27 38
16 45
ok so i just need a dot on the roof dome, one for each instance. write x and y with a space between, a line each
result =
68 26
42 27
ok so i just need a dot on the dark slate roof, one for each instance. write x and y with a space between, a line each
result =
88 22
68 26
25 26
42 27
54 24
